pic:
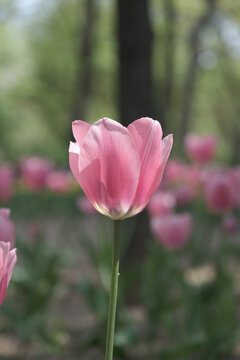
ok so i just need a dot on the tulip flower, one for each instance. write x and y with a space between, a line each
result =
175 171
34 171
58 181
172 230
118 169
230 224
234 174
7 231
200 148
192 176
8 260
161 203
184 194
219 194
6 182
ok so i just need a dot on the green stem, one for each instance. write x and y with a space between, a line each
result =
113 292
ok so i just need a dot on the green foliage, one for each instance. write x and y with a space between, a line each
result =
35 281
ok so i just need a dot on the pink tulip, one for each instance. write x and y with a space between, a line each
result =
230 224
58 181
209 173
184 194
234 174
7 230
175 171
219 193
192 176
161 203
172 230
119 168
84 205
34 172
8 260
200 148
6 182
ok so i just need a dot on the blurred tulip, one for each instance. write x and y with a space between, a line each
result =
58 181
34 171
200 148
84 205
8 260
184 194
230 224
209 172
6 182
219 193
234 174
192 176
173 230
7 230
175 171
161 203
119 168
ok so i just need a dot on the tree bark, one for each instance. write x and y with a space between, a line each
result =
191 75
135 87
84 58
135 55
169 60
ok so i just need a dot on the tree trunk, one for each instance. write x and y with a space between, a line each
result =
191 75
135 55
135 87
84 58
169 60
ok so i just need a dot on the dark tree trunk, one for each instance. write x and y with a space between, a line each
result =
191 75
135 55
135 87
169 59
84 58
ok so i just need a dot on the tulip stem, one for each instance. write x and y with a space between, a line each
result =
113 292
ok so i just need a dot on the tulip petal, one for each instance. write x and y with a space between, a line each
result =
4 250
12 259
109 167
87 179
167 143
79 129
74 152
7 265
147 135
143 132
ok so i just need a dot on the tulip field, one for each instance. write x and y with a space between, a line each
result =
179 300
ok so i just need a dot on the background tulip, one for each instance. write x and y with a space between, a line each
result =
184 194
8 260
230 224
119 168
58 181
200 148
175 171
172 230
34 171
7 230
234 174
219 193
161 203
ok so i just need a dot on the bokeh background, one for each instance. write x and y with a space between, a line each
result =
177 61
